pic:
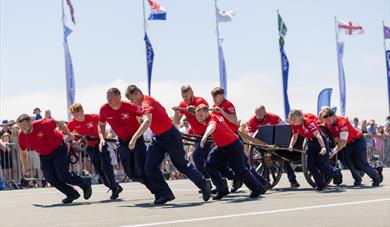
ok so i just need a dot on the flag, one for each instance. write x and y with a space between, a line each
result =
388 75
324 99
285 69
157 12
282 28
343 94
386 32
70 83
222 68
149 60
225 16
71 9
349 28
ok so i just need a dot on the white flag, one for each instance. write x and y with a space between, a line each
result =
224 16
349 28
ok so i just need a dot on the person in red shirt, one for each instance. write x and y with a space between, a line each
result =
122 117
43 137
355 146
226 109
87 125
229 148
167 140
306 125
187 108
263 118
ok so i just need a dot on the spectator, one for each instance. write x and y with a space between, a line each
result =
386 157
364 126
48 114
6 157
369 135
37 113
184 126
5 127
379 140
356 124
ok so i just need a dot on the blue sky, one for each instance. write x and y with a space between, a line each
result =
108 50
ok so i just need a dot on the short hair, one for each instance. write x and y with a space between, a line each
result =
261 107
295 113
131 89
114 91
185 88
327 112
201 107
76 107
36 109
23 117
217 91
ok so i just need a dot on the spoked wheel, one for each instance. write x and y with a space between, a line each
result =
268 166
306 172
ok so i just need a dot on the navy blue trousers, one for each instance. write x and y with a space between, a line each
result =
357 152
234 155
102 163
319 165
169 142
55 168
133 161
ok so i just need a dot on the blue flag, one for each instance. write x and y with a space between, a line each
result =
222 69
324 99
70 83
285 68
149 60
388 75
343 92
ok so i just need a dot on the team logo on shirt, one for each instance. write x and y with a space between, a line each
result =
125 116
90 125
40 135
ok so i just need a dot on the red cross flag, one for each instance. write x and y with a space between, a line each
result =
349 28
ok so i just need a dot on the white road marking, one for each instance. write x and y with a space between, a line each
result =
259 213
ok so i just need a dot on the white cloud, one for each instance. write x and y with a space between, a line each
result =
246 93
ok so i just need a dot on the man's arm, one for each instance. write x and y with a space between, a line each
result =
230 117
177 117
342 142
294 139
102 134
209 130
317 134
61 125
147 121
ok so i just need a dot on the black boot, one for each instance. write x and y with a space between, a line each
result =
163 199
116 191
70 198
206 191
87 190
220 195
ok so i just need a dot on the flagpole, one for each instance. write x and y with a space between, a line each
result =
338 62
218 43
144 15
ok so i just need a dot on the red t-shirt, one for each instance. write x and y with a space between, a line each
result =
197 127
229 108
161 122
44 138
308 128
88 127
270 119
343 125
123 121
222 134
